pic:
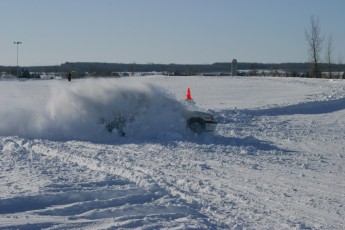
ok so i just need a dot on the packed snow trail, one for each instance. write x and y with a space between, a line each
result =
77 191
245 186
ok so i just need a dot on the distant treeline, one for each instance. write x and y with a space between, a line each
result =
183 69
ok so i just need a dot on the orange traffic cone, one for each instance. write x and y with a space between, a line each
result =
189 95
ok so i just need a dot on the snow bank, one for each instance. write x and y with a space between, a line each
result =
81 110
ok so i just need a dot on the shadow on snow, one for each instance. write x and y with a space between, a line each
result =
308 108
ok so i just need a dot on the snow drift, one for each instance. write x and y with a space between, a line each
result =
81 110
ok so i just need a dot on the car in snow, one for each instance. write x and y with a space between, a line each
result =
197 121
200 122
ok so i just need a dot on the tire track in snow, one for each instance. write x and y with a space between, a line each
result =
149 201
292 128
106 195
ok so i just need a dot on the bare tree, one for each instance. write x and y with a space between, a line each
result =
314 41
329 54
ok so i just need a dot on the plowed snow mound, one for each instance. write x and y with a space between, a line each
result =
82 110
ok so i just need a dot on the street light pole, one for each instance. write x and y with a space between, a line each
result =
17 43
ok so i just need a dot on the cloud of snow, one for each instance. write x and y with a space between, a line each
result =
81 110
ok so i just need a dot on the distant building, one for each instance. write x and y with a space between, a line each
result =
234 67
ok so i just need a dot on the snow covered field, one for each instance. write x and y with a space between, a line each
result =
276 160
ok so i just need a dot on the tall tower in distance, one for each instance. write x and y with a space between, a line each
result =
234 67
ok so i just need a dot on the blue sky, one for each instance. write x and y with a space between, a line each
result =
164 31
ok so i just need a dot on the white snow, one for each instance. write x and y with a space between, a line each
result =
276 160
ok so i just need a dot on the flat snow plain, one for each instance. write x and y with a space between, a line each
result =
276 160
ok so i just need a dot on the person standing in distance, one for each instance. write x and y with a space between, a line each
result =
69 76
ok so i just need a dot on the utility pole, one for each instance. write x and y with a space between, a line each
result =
17 43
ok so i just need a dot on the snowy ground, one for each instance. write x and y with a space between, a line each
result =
276 160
